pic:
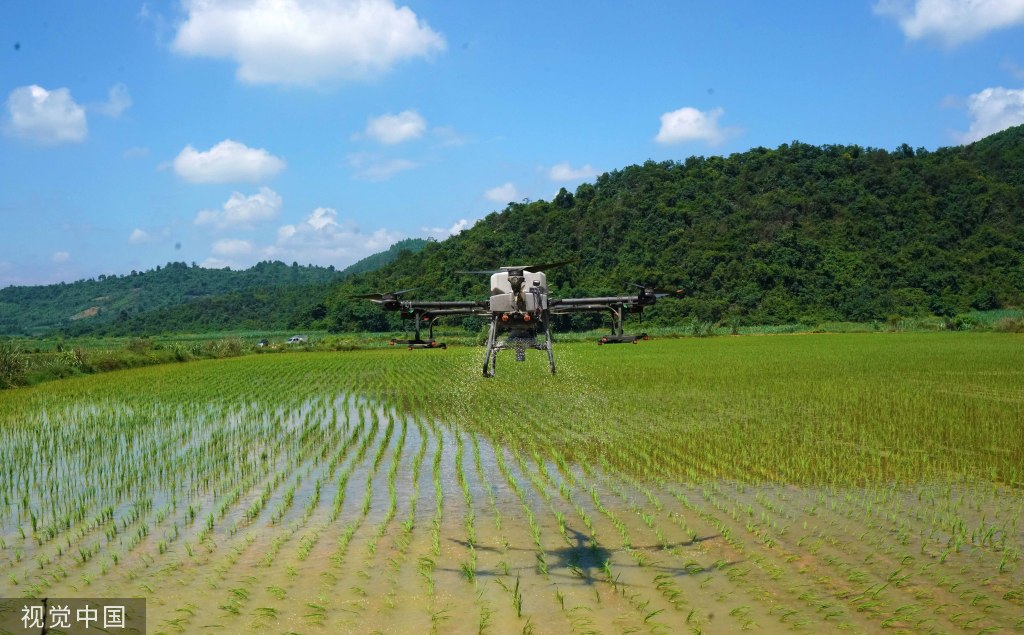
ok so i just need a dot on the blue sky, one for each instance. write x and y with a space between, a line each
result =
225 132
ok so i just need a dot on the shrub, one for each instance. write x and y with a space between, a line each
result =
181 353
227 347
12 365
959 323
138 345
701 328
1009 325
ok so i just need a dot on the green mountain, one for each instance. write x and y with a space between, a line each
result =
83 304
179 297
798 232
284 305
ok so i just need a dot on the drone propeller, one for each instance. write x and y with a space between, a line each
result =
656 292
534 268
547 265
383 297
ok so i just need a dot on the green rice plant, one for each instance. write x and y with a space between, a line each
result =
277 592
317 613
517 598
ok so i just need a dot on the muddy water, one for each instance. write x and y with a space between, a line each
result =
486 540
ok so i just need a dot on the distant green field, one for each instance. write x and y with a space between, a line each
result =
866 482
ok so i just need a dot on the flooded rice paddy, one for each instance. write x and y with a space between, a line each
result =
330 493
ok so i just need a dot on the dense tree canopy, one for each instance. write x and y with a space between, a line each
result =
767 236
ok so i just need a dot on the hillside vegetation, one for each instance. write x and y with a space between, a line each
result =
179 297
798 233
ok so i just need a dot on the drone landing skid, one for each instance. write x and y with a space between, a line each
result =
519 344
622 339
418 343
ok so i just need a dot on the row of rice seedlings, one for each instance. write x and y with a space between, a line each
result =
428 563
309 454
350 529
315 610
381 528
490 613
468 567
404 539
310 540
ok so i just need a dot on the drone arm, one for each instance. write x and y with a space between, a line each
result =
436 313
433 306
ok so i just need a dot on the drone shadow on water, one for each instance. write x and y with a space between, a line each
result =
589 562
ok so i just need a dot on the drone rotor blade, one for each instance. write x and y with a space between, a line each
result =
383 296
651 291
549 265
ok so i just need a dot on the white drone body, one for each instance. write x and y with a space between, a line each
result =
531 298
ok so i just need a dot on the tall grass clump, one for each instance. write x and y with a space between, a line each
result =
12 365
1009 325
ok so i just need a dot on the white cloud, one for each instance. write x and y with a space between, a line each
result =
690 124
243 212
60 257
503 193
45 116
320 218
1016 71
565 172
992 110
391 129
227 162
321 239
448 136
219 263
231 247
373 168
441 232
118 101
952 21
140 237
305 42
231 252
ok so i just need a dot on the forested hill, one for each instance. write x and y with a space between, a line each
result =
179 297
111 298
796 233
766 236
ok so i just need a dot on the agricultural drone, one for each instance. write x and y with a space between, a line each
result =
520 311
